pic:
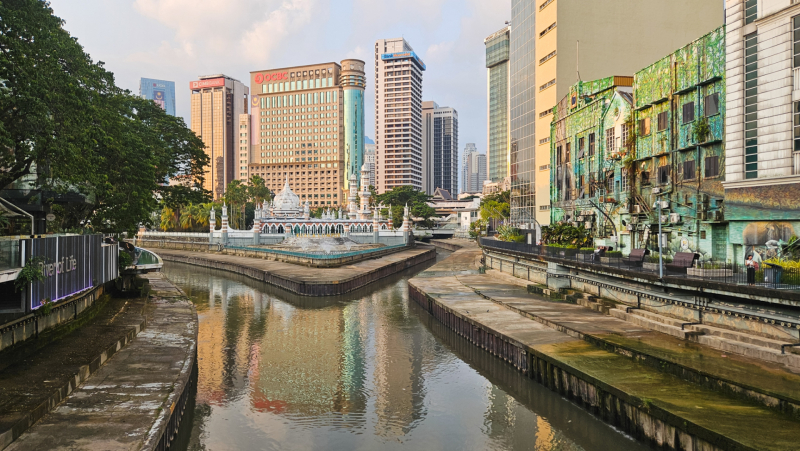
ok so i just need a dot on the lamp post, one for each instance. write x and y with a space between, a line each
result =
660 254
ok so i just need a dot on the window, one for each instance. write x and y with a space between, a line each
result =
711 104
751 106
663 175
547 85
610 140
547 30
712 166
750 11
662 121
547 57
688 112
545 113
624 177
567 156
796 39
625 133
544 5
645 177
559 157
591 144
796 126
689 170
644 126
580 147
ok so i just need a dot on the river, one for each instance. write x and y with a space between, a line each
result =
370 370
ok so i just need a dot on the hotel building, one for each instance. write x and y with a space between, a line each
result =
398 115
554 43
307 125
216 102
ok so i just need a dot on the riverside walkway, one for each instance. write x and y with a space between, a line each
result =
134 401
673 394
304 280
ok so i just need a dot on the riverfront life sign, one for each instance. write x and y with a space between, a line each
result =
70 264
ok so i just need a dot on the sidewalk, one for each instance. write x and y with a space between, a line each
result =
574 338
127 403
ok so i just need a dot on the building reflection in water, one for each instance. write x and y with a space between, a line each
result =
281 372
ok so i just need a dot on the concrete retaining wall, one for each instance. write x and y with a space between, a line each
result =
61 312
648 424
332 288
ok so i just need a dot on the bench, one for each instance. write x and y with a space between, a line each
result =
682 261
636 258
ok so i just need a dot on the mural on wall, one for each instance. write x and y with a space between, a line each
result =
764 240
773 202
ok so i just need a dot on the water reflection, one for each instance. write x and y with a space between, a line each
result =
362 371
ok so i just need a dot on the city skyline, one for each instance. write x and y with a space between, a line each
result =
177 43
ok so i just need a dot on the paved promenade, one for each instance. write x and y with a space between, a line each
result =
304 280
579 343
127 403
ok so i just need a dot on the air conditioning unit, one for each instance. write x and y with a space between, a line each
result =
656 190
580 218
587 224
664 219
664 204
574 224
674 218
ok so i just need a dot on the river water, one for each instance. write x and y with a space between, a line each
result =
370 370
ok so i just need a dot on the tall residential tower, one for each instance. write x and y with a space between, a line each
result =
217 102
398 115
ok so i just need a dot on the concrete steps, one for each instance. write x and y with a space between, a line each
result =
664 325
766 349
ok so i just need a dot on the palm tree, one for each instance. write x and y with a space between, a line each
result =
187 216
202 215
167 218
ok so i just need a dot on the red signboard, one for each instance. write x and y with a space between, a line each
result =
209 83
263 78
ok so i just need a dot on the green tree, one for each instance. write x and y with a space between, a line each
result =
65 120
494 210
402 195
257 190
168 220
424 211
236 198
501 197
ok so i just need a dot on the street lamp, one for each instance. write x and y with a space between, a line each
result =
660 254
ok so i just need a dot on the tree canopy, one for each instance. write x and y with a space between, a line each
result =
65 121
399 196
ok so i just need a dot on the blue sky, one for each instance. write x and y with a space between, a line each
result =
180 39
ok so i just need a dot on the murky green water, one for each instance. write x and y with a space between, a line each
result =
370 370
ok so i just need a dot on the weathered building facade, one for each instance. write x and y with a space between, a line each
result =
679 159
588 139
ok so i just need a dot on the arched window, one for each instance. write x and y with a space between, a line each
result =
273 229
313 230
297 230
327 230
280 229
383 226
358 228
341 228
370 228
304 229
352 228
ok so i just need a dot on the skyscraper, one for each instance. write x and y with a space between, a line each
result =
353 81
428 108
369 159
217 103
308 126
552 45
445 149
474 169
398 115
497 76
161 92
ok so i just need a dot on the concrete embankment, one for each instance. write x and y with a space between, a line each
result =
303 280
556 344
136 398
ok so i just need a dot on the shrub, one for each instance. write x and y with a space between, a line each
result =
125 259
614 254
587 249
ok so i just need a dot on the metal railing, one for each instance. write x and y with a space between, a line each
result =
767 275
321 255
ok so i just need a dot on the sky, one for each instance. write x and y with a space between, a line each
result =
178 40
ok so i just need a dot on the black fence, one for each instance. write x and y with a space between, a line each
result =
765 275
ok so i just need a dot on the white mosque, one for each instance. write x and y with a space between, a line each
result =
286 215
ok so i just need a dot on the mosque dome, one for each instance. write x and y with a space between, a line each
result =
286 202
